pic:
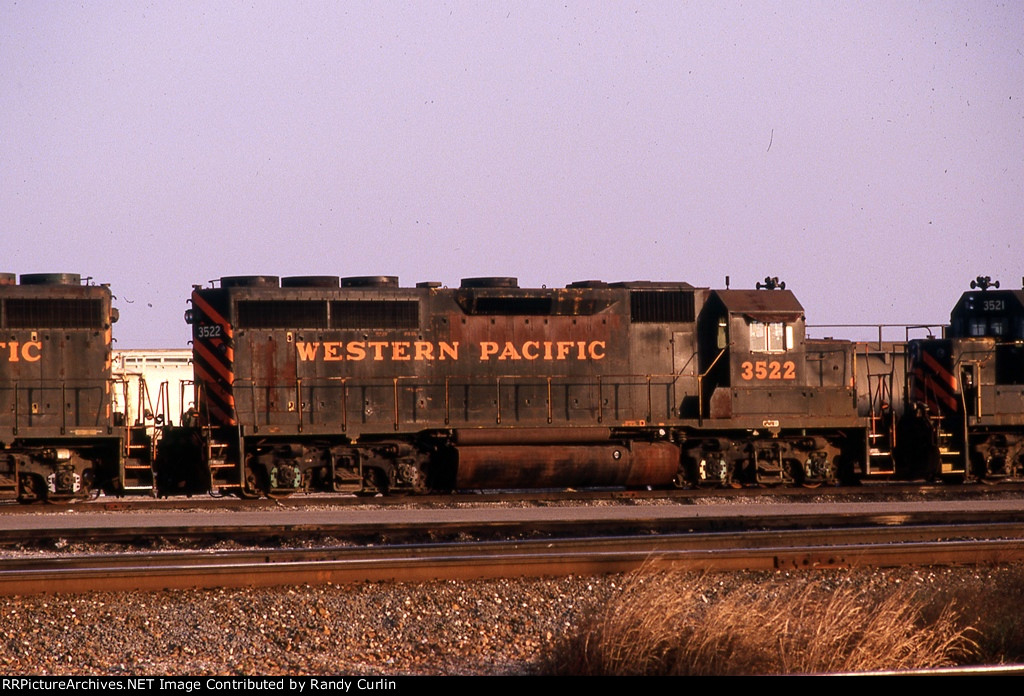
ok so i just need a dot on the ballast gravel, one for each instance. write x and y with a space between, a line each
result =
493 627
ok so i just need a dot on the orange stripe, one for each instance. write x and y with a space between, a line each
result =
927 399
211 385
946 399
212 313
215 361
221 416
940 372
935 388
931 391
229 352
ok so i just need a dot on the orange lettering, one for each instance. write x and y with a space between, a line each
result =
32 344
400 350
307 351
332 350
510 352
424 350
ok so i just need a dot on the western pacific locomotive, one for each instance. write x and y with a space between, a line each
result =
361 385
967 389
59 438
365 386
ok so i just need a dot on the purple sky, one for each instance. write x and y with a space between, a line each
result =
870 154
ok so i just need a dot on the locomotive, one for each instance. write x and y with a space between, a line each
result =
59 438
364 386
967 389
361 385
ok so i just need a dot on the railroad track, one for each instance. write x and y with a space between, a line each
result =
793 549
290 527
541 497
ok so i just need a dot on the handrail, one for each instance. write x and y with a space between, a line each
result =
21 410
395 384
700 385
907 328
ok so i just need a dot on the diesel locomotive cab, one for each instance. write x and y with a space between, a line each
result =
967 389
784 404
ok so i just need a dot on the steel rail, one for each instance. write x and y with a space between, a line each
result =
391 530
650 544
477 560
876 489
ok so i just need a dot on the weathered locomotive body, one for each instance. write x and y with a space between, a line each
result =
363 385
59 436
967 389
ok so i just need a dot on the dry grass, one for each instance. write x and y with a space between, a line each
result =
992 600
683 624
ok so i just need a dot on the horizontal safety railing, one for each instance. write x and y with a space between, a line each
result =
262 409
60 404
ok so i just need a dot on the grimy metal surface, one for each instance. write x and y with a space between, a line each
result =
641 463
379 360
363 385
969 386
366 384
58 433
55 374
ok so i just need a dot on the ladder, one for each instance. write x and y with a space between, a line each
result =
881 418
139 444
223 472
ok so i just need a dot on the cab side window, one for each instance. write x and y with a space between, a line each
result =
770 337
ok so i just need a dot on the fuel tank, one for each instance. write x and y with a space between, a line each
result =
555 466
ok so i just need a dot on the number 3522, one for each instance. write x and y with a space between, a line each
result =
764 369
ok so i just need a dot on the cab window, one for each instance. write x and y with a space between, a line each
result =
770 337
